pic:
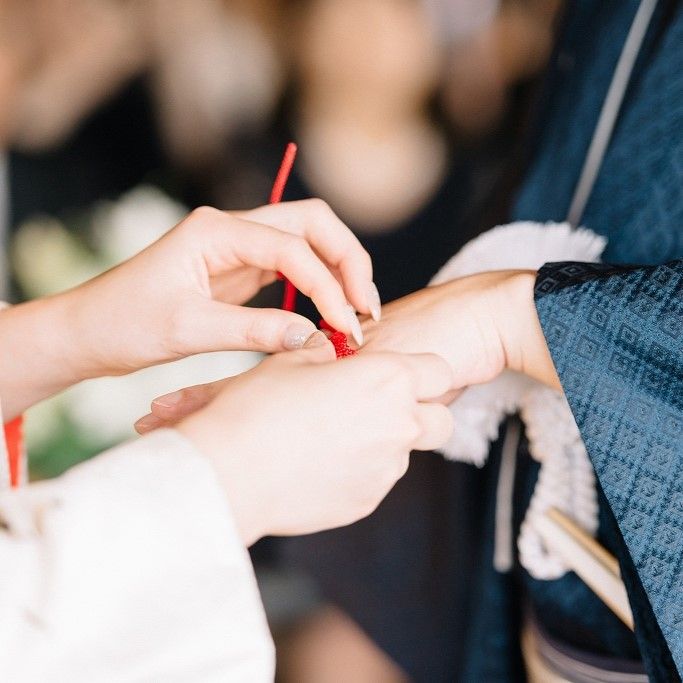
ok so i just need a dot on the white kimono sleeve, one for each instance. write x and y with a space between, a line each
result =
129 568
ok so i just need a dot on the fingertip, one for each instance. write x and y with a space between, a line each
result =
148 423
374 302
297 333
319 347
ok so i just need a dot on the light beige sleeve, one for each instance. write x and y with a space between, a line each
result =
129 568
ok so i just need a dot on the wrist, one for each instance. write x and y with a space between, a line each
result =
39 353
245 502
521 334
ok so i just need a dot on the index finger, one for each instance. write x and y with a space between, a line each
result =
335 243
270 249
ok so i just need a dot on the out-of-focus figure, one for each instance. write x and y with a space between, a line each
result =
210 66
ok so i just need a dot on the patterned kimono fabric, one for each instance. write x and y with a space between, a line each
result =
616 336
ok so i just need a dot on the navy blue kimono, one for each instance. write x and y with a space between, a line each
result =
616 337
616 332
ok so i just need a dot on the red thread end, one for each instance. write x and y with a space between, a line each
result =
283 174
339 341
341 345
14 440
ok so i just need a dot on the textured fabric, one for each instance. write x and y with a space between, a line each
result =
616 337
129 568
637 203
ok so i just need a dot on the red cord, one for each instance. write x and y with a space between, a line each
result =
15 450
283 174
289 300
338 339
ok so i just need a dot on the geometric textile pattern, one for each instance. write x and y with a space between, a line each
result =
616 337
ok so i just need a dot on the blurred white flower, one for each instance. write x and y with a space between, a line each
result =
47 258
125 227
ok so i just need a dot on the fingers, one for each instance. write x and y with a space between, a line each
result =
317 349
436 424
149 423
314 221
430 374
208 325
270 249
179 404
171 408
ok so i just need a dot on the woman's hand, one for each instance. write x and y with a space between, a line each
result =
481 324
181 296
304 443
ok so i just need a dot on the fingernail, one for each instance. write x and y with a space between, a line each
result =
316 339
296 335
356 331
148 423
169 400
374 302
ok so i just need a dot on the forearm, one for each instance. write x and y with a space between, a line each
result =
40 353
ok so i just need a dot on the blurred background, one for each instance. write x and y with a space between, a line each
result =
117 116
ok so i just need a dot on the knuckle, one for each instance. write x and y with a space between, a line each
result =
401 378
355 251
319 207
295 248
204 213
260 332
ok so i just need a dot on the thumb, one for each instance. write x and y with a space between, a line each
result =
217 326
317 349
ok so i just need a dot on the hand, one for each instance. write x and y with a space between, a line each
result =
480 324
304 443
180 296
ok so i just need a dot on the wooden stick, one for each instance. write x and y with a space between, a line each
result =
588 559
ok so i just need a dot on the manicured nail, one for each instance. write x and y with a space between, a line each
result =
356 331
169 400
374 302
316 339
296 335
148 423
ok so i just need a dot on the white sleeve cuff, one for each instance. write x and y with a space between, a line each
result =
129 568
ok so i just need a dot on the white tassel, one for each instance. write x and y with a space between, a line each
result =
566 480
